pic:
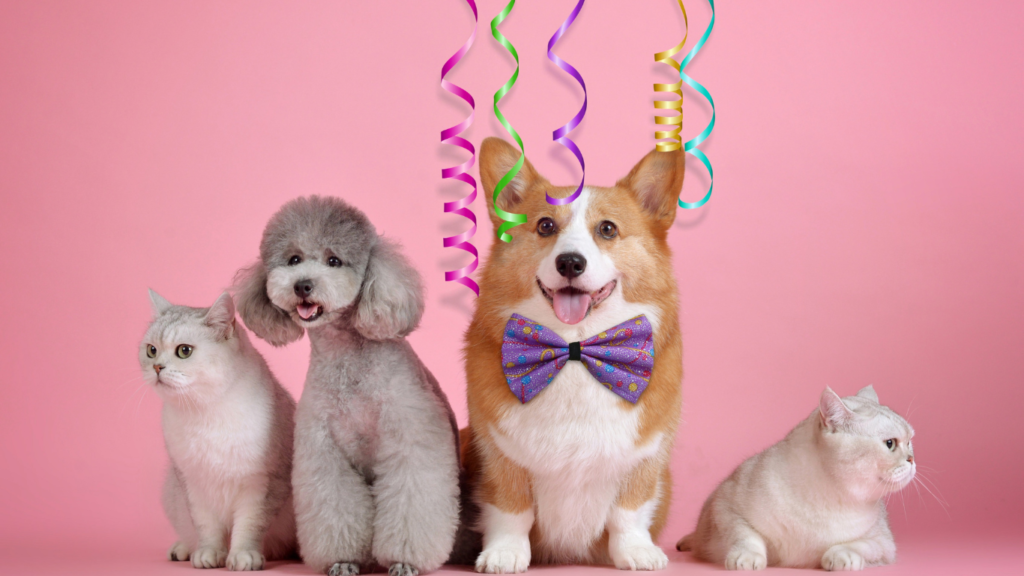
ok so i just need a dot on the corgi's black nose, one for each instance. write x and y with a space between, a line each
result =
571 264
303 288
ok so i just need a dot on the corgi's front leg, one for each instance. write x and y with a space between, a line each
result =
506 514
640 503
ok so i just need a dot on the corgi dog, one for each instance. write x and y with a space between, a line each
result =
576 474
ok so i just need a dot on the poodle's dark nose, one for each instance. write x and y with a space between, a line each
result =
570 264
303 288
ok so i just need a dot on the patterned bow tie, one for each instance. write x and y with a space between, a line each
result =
620 358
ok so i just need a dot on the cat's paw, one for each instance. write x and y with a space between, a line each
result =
209 557
504 560
640 557
842 558
178 552
343 569
743 559
402 569
241 560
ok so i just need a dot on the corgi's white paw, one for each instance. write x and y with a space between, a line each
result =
243 560
842 558
640 557
740 558
209 557
504 559
178 552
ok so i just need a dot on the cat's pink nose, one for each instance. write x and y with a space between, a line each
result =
910 459
158 367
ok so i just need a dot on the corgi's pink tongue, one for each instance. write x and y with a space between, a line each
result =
571 307
306 311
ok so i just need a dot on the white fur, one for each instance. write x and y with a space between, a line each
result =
227 426
506 541
574 438
817 497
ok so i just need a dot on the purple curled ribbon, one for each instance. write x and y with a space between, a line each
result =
561 134
461 171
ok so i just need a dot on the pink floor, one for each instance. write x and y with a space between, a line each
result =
972 555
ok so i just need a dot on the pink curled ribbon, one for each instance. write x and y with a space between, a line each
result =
461 171
561 134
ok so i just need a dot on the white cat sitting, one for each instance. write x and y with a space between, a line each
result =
815 499
228 427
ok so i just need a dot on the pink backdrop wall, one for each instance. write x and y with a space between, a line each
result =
865 228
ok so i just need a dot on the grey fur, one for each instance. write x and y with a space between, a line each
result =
375 474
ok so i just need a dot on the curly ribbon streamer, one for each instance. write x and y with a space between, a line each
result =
676 121
691 145
511 219
461 171
561 135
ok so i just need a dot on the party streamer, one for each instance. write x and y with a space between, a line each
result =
461 171
511 219
691 146
561 135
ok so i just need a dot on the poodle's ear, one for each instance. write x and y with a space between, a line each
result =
391 302
258 312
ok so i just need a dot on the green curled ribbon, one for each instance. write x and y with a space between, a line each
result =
511 219
691 145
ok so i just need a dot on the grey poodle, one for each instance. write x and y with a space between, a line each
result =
375 474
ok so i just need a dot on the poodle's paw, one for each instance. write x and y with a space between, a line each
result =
842 558
241 560
402 569
209 557
743 559
504 559
640 557
178 552
343 569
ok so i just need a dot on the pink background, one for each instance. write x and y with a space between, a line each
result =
865 227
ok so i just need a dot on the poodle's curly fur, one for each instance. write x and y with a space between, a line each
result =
375 474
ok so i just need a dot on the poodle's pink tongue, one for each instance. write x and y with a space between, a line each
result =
306 311
571 307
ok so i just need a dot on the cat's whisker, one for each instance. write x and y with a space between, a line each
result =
137 406
938 497
129 399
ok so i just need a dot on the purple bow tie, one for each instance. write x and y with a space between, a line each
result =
620 358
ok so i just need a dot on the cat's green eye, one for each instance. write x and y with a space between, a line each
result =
184 351
891 443
150 351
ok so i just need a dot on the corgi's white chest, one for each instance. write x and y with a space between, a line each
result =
578 440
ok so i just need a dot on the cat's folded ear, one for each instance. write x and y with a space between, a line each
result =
257 311
391 299
868 393
221 316
160 304
834 413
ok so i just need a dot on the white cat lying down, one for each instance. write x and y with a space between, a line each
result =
815 499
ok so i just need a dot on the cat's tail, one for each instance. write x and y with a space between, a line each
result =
685 544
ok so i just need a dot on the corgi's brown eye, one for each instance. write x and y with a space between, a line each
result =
184 351
294 260
151 351
891 443
546 227
608 230
334 262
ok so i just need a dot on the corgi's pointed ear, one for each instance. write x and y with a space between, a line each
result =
656 181
160 304
497 157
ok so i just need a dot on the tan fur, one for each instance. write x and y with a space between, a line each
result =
643 210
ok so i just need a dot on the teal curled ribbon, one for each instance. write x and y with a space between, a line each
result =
511 219
461 172
691 146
